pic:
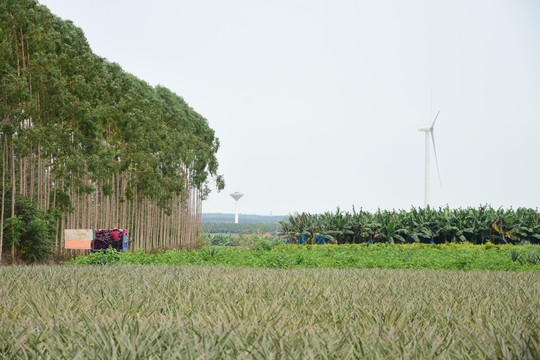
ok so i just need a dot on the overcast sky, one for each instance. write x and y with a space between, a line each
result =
317 103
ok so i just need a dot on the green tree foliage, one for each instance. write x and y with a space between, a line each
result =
81 135
33 231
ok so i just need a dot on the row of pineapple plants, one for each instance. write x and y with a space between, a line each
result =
474 225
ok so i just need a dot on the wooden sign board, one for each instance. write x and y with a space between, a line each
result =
79 239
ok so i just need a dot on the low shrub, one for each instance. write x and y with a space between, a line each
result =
529 255
31 231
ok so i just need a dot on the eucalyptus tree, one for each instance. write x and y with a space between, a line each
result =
80 135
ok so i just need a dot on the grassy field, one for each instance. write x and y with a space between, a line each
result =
192 312
411 256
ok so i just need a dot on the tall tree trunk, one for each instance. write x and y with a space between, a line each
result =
25 172
96 200
125 205
199 213
145 223
162 229
179 221
38 180
13 191
4 154
22 49
21 182
117 205
31 174
56 249
101 209
135 232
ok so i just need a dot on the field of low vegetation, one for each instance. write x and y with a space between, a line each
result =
264 254
195 312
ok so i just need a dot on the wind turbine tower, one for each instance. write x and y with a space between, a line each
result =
236 196
429 130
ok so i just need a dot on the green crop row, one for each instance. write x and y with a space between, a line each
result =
179 312
264 255
475 225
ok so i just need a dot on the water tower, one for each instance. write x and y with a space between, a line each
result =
236 196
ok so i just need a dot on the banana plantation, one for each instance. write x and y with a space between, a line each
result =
85 144
474 225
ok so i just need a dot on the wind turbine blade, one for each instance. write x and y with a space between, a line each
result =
435 152
433 123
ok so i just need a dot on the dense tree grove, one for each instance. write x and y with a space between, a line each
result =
87 145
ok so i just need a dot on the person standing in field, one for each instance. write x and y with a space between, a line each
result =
115 239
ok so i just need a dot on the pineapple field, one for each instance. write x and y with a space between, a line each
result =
200 312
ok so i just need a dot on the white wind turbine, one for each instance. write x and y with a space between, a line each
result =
429 133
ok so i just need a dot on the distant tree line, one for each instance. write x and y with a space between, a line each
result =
86 145
244 218
241 228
